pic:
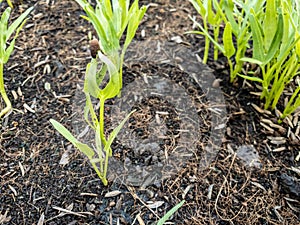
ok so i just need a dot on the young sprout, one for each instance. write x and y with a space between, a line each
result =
7 48
110 20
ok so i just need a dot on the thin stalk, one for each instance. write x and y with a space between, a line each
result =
216 35
232 77
101 121
8 107
207 43
101 176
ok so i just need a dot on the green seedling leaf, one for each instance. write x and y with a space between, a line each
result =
211 17
63 131
88 109
276 42
111 138
90 83
112 88
103 39
85 149
227 41
229 10
251 60
199 7
170 213
115 132
297 47
17 22
270 23
256 79
12 44
258 48
135 17
206 33
3 32
288 30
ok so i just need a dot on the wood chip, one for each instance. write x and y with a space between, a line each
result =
22 169
88 194
112 194
47 69
279 149
296 170
267 127
67 211
186 190
13 190
262 111
42 62
155 205
277 140
140 220
210 189
14 94
19 91
259 186
27 107
41 220
298 157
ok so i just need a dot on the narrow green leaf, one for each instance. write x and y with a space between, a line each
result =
89 109
85 149
276 42
134 21
12 43
297 36
3 33
90 83
211 17
206 33
288 30
82 3
251 60
113 87
227 41
256 79
63 131
198 5
104 41
270 23
229 10
9 3
17 22
258 49
170 213
111 138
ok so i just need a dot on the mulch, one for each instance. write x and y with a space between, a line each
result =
44 180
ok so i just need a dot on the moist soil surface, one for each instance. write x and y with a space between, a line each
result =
249 176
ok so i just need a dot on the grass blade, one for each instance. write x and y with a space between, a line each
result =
170 213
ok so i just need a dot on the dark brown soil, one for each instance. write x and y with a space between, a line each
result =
45 180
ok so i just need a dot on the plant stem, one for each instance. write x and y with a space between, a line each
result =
101 121
8 107
207 44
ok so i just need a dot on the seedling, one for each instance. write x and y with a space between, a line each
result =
6 49
110 19
269 28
